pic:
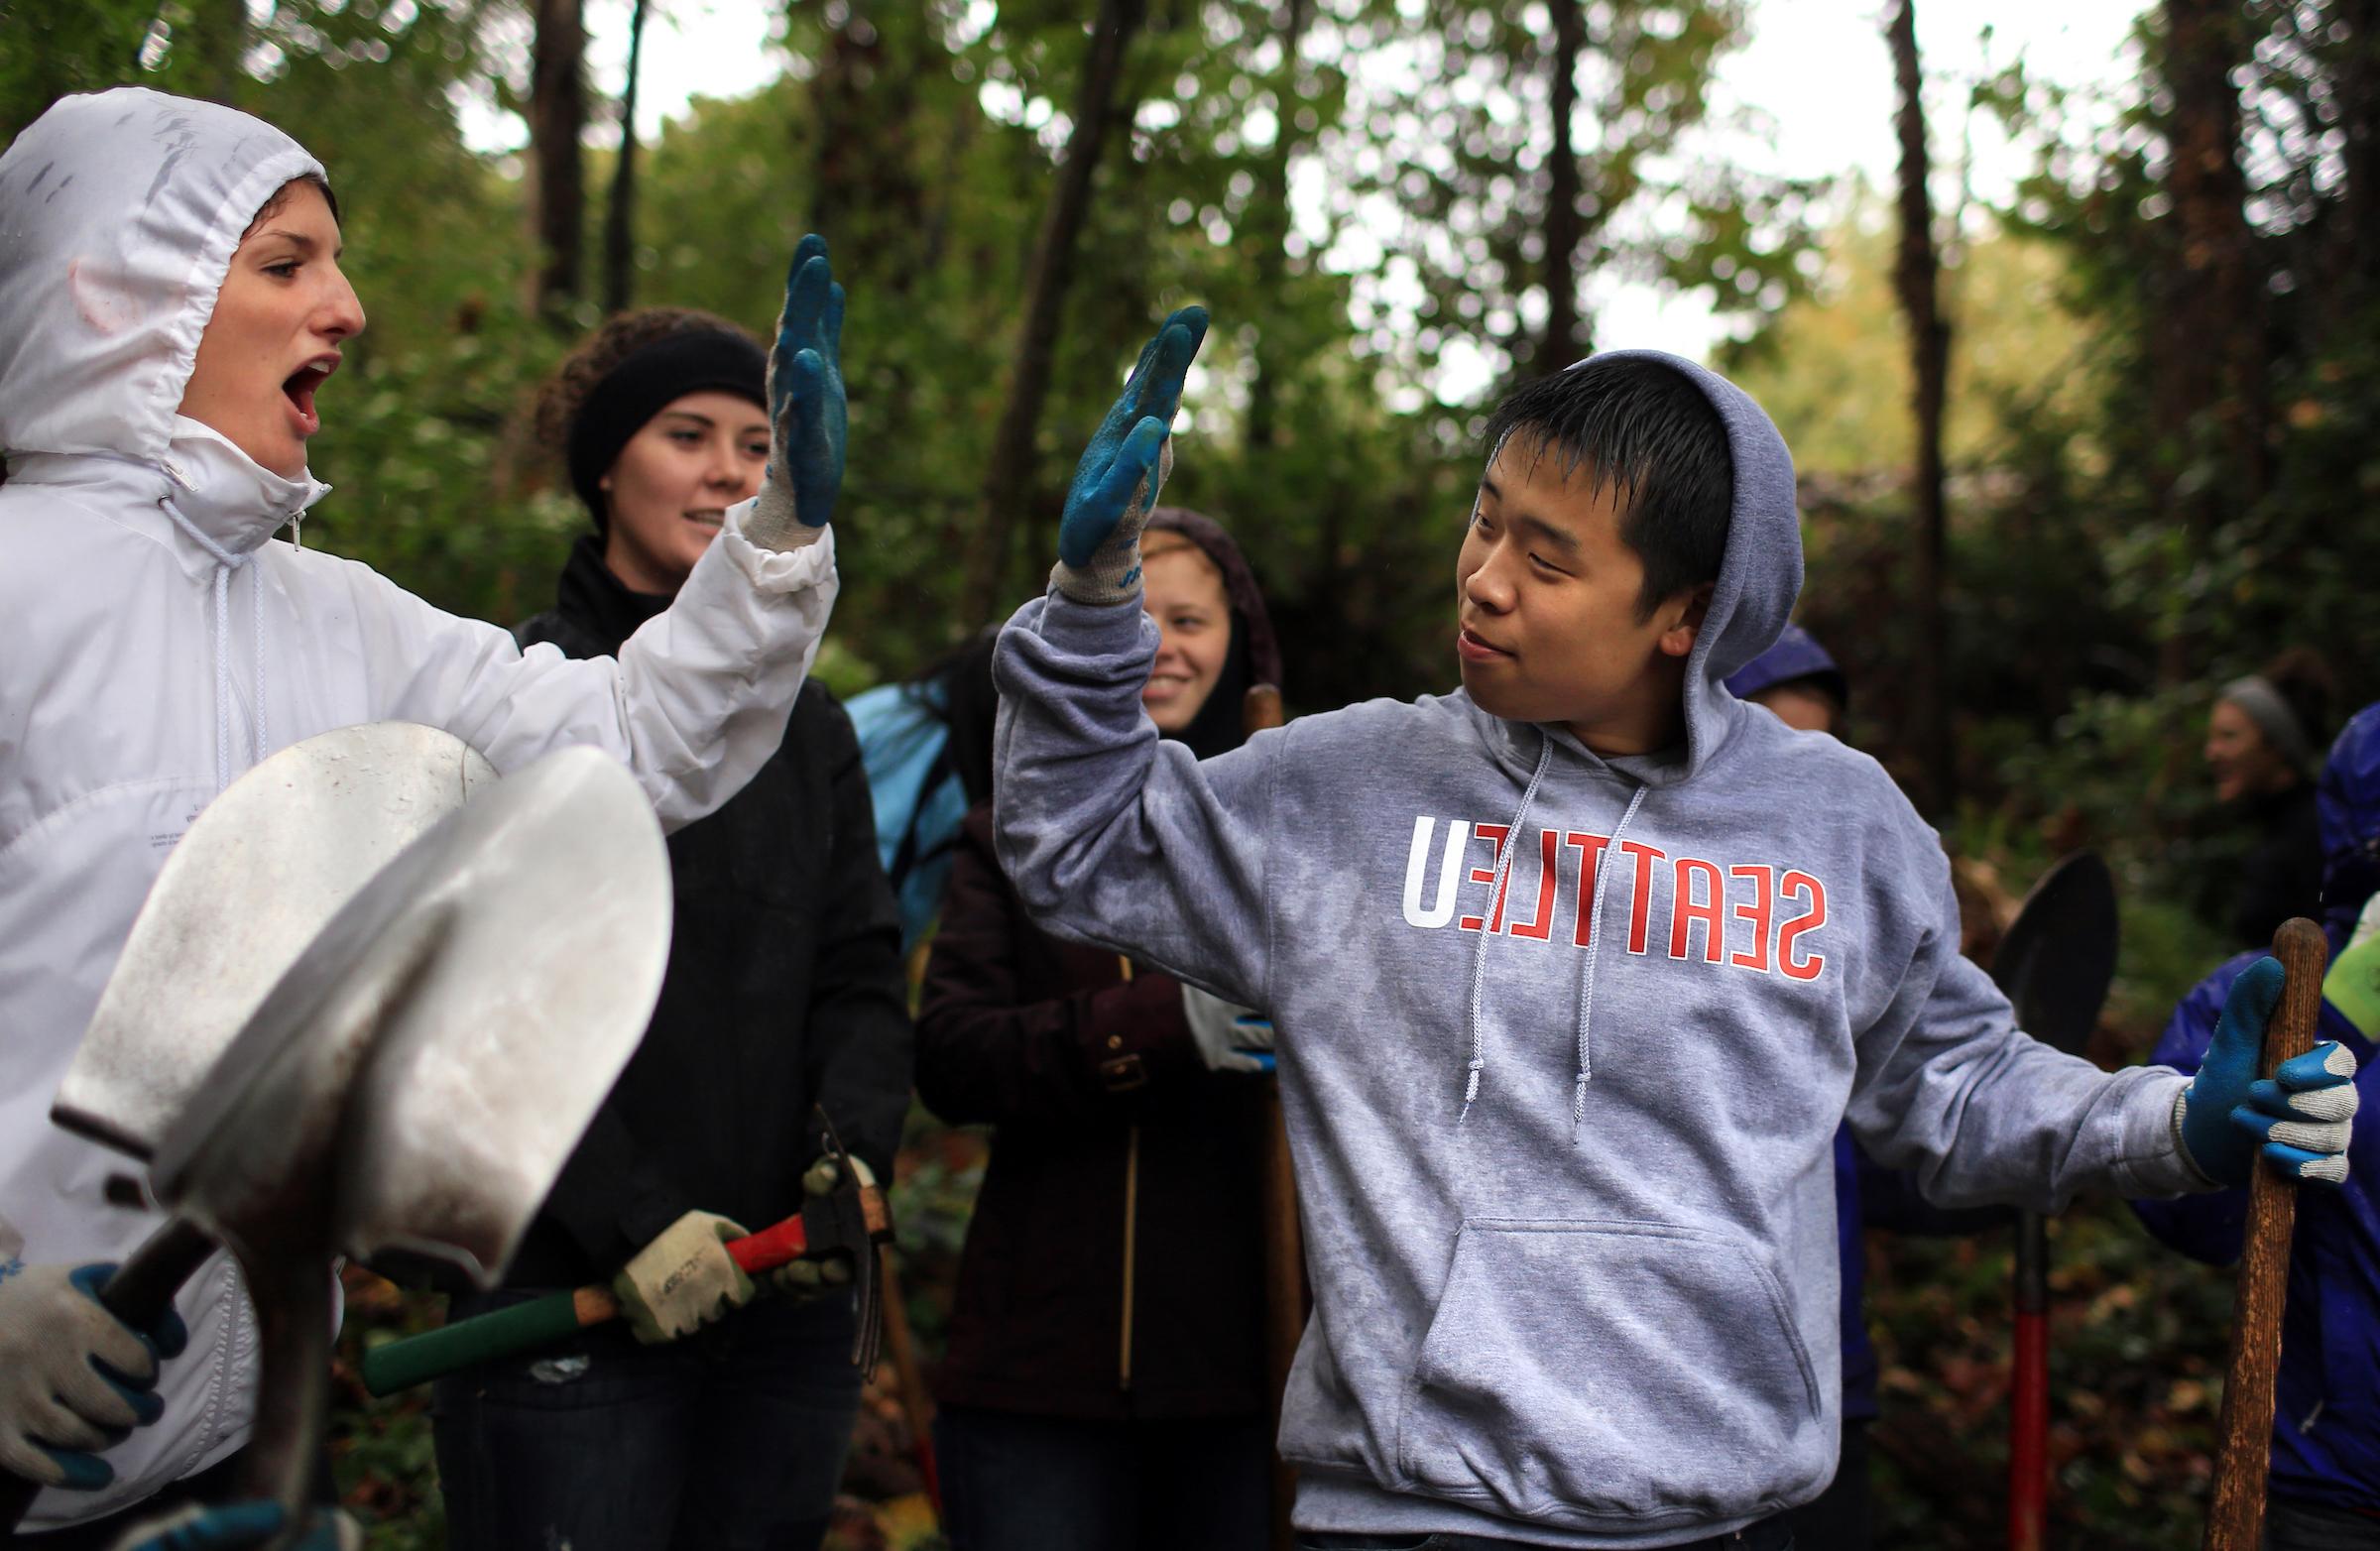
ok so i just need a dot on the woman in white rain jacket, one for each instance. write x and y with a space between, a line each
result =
156 640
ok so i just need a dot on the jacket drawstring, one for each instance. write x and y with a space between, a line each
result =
225 563
1495 901
1595 948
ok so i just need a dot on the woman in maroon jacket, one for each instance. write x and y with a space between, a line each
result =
1105 1388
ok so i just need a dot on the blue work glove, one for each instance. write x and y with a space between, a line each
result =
807 418
1123 468
73 1378
239 1527
2301 1116
1230 1037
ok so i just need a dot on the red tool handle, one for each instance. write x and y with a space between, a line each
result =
770 1248
2029 1433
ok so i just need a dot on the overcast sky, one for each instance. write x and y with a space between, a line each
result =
1815 74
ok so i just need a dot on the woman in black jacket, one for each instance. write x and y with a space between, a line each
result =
1105 1388
723 1424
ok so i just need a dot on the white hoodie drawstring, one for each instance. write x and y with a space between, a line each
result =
225 563
1495 903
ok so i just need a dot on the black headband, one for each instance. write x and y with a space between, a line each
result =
692 360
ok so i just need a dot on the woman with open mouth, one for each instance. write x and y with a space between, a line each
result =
172 310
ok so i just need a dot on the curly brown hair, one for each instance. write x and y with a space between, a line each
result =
600 354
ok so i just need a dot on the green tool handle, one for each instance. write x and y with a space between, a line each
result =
416 1360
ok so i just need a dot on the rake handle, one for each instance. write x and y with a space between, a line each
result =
2235 1518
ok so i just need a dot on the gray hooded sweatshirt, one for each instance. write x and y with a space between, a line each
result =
1564 1042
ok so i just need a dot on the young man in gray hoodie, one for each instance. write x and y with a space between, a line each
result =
1575 972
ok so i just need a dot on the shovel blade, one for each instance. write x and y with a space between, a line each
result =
419 1075
2058 957
260 871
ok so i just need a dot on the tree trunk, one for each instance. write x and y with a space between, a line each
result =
2360 103
1270 217
1564 227
618 215
2205 340
557 118
1917 277
1008 483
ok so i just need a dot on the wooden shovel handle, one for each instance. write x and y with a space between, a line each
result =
2235 1519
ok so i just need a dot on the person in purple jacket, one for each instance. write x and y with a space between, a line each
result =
2325 1490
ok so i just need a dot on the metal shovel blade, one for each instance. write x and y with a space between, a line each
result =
2059 955
259 872
430 1059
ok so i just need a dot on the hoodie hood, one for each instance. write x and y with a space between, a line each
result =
1796 657
119 212
2347 804
1760 574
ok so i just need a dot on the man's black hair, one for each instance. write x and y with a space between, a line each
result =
1644 431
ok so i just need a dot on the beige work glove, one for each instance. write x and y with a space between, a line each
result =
683 1280
73 1378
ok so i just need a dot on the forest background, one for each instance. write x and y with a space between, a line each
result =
2068 456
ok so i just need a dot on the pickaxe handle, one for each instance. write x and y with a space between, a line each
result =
2244 1452
488 1338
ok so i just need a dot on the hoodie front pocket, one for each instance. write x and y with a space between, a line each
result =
1592 1370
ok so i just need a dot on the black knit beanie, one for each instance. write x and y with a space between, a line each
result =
692 360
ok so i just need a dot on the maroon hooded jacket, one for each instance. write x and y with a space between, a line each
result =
1113 1265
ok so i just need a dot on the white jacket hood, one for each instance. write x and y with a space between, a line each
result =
119 212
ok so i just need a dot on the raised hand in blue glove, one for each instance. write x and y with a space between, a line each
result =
73 1378
1122 471
2301 1116
241 1526
807 418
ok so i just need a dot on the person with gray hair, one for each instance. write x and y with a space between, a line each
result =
2264 742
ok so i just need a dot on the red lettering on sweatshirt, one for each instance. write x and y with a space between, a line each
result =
1810 920
1541 926
1696 898
1779 909
1591 857
1640 905
1494 835
1764 888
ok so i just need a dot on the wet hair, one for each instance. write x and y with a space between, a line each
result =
599 355
1641 428
281 196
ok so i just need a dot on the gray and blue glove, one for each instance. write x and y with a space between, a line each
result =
241 1526
1123 468
73 1378
807 417
1230 1037
2301 1116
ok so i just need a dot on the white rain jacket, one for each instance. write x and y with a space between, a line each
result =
155 641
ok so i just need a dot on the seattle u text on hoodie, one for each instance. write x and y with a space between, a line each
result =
1563 1146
